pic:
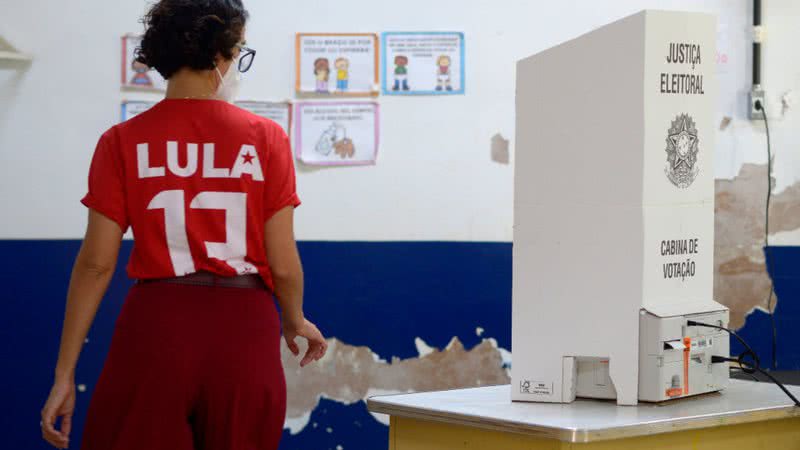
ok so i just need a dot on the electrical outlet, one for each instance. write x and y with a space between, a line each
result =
756 95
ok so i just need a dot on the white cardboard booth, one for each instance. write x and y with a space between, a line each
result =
614 215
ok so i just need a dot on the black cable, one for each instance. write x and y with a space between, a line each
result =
747 367
748 351
780 385
760 106
744 365
774 328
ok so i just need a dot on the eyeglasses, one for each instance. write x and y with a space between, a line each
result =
246 57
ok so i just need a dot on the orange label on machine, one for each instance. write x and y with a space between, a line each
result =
674 392
687 343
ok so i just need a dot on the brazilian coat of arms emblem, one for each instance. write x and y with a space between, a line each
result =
682 148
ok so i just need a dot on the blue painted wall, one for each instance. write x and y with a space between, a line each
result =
379 294
782 263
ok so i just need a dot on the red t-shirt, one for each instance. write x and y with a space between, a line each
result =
196 180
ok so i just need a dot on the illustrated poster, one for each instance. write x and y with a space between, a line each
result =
336 64
279 112
423 63
134 108
330 134
135 74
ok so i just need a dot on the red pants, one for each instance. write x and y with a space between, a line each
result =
190 368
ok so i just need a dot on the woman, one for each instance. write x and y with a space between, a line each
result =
322 71
209 191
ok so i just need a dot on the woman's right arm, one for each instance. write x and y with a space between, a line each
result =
91 274
287 277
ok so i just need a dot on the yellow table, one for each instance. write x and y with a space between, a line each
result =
746 415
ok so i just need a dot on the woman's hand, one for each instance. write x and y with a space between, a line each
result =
91 274
60 403
317 346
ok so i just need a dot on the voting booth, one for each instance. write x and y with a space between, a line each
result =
614 215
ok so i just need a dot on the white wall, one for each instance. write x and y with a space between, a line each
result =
434 179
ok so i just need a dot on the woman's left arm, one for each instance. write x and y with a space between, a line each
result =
94 266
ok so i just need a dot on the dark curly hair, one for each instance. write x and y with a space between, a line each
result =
190 33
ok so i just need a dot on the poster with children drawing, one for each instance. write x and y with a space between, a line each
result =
423 63
134 108
344 65
278 112
337 134
136 75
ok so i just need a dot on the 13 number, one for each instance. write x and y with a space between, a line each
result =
232 251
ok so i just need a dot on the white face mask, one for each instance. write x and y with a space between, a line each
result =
229 83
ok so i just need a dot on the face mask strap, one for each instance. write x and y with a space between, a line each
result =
221 78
